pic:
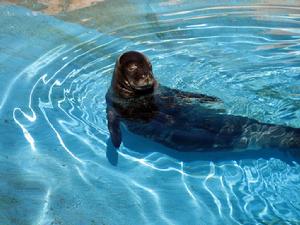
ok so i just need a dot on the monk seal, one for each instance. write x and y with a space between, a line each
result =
181 120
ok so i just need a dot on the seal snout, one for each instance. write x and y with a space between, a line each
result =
145 85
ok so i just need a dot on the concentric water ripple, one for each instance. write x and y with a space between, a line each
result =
66 171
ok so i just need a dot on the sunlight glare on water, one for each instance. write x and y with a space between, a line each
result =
56 163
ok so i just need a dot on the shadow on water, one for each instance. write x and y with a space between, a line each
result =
144 147
111 153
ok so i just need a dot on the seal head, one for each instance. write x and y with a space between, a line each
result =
133 75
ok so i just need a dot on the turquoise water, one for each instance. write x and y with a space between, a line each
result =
57 166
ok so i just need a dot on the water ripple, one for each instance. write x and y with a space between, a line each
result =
242 54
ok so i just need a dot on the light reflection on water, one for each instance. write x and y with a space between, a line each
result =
57 166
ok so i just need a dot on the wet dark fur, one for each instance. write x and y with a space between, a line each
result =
181 120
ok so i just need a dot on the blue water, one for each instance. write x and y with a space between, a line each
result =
56 164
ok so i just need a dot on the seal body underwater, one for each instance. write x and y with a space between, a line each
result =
181 120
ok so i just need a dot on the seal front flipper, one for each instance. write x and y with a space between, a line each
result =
189 96
114 127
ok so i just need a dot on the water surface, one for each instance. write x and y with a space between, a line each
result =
56 163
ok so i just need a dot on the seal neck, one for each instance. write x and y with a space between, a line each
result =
121 86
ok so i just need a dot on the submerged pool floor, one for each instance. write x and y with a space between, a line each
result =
56 164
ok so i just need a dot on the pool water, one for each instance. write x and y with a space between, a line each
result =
57 165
